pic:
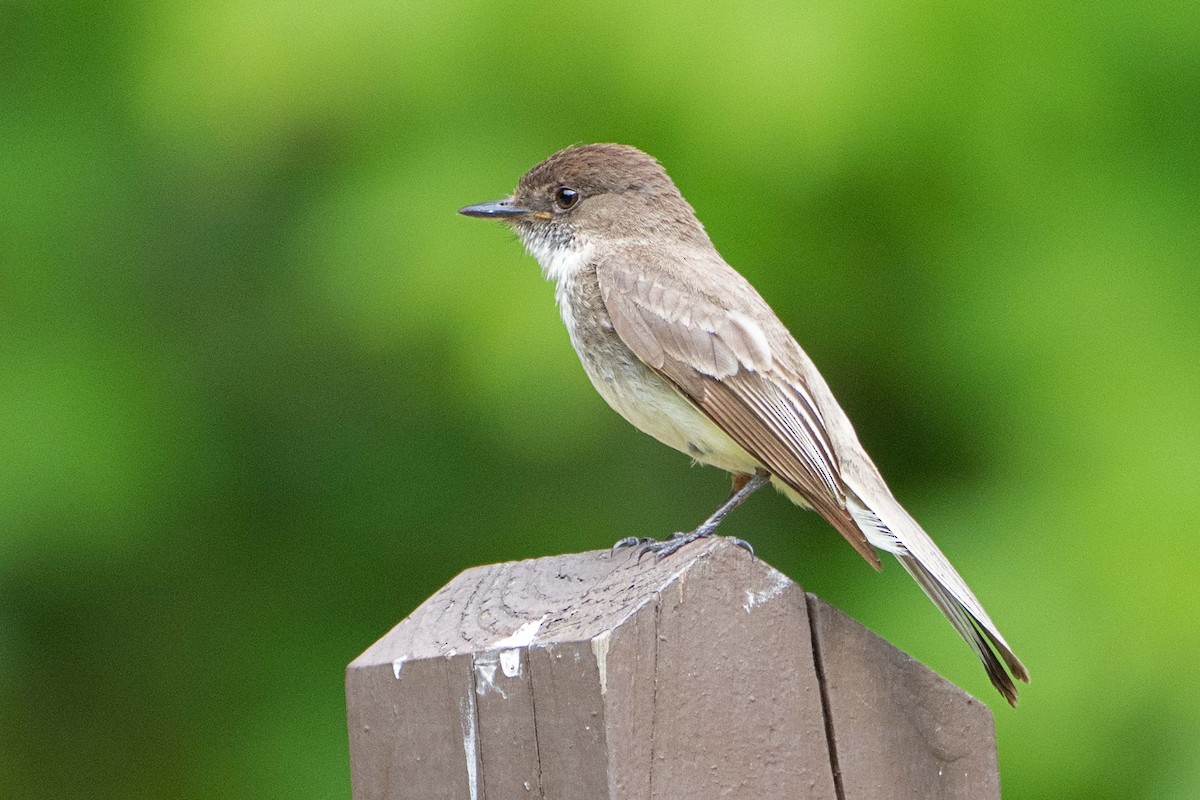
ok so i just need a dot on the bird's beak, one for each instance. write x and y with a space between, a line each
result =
497 209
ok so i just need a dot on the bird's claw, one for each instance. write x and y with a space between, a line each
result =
631 541
742 543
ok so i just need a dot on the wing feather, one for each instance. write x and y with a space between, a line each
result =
722 360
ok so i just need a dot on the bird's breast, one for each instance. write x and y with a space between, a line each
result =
646 399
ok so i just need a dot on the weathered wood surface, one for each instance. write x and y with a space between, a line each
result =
706 675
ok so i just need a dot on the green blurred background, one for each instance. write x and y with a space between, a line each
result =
262 391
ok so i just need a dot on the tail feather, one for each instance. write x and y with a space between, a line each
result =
897 532
979 639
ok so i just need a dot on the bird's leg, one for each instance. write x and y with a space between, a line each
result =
744 485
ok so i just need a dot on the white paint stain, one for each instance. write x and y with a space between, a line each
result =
485 674
779 582
470 743
600 650
505 653
522 636
510 663
397 665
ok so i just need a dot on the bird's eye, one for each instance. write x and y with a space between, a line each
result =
565 197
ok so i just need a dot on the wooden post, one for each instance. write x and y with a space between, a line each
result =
706 675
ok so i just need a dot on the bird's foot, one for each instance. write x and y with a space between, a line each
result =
673 543
631 541
743 485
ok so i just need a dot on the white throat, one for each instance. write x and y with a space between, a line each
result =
559 260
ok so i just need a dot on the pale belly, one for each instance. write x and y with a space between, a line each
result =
655 407
635 391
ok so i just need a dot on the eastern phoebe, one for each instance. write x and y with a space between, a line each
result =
685 349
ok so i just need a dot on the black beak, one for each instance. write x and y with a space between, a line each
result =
497 209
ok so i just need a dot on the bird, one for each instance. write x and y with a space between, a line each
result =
683 347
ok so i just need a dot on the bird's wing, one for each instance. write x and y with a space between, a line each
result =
717 340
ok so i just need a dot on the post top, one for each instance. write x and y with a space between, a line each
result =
566 598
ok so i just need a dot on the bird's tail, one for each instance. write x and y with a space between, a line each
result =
900 534
979 638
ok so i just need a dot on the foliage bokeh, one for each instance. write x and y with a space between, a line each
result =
262 391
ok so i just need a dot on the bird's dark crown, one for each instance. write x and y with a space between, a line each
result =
598 169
